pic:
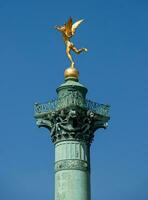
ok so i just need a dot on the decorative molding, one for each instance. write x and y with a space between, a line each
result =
70 164
72 123
71 99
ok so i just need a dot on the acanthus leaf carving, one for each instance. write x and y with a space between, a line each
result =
71 123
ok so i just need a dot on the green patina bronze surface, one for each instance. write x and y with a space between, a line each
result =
72 121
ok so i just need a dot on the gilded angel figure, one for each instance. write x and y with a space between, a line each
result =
68 30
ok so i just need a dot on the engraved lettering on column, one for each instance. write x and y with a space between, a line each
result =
82 152
77 151
85 152
68 150
64 151
73 150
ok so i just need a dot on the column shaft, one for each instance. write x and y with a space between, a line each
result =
72 171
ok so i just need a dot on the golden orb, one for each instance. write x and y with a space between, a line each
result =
71 72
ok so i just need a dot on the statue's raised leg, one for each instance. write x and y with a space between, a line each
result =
78 51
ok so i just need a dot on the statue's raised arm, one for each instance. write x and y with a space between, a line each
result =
68 30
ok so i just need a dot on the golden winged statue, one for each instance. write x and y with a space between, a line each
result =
68 30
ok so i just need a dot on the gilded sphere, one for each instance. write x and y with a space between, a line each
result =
71 72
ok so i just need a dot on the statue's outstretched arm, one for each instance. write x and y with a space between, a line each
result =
59 28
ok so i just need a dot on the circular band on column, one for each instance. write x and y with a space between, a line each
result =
71 164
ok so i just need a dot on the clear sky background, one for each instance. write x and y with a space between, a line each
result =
115 71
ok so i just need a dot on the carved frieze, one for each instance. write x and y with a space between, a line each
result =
70 164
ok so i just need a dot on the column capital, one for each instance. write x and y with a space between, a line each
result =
71 116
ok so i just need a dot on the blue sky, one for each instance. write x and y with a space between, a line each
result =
115 71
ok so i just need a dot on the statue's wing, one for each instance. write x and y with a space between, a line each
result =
75 25
68 27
